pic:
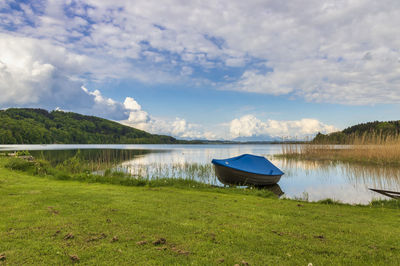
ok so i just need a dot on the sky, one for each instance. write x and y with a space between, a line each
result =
206 69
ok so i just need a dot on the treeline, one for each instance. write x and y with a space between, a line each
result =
38 126
366 133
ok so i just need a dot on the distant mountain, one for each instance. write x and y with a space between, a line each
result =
362 133
38 126
270 139
263 138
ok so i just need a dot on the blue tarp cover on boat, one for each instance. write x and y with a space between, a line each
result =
251 164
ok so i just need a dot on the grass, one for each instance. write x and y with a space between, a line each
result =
49 221
372 154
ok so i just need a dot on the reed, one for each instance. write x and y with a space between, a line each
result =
374 137
375 149
193 171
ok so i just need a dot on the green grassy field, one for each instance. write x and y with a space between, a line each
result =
46 221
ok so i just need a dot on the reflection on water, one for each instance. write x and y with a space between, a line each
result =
356 174
101 157
375 177
193 171
345 182
313 180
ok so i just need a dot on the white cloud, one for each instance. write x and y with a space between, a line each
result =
235 62
323 51
250 126
186 71
179 127
131 113
37 72
131 104
33 71
100 100
105 107
252 82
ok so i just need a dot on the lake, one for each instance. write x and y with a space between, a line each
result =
313 181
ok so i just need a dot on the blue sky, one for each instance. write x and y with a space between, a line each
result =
205 69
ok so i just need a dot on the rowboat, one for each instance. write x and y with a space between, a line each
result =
388 193
246 169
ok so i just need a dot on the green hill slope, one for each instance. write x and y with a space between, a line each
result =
371 132
38 126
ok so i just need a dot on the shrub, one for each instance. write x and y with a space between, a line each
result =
19 164
22 153
42 168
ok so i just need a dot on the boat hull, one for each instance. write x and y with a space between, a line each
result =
230 176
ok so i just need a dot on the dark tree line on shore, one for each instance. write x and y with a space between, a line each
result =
38 126
371 132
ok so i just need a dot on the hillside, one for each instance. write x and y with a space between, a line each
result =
371 132
38 126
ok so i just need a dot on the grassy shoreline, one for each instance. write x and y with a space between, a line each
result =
48 221
74 170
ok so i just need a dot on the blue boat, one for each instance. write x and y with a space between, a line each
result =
247 169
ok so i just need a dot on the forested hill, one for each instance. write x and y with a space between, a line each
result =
371 132
38 126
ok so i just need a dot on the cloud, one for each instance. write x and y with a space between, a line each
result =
177 127
251 81
37 72
250 126
342 52
130 113
131 104
104 107
318 54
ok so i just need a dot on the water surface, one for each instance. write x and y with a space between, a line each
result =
310 180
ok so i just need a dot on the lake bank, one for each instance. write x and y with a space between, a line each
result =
45 221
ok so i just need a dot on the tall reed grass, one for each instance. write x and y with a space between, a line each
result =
377 149
194 171
366 138
112 163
